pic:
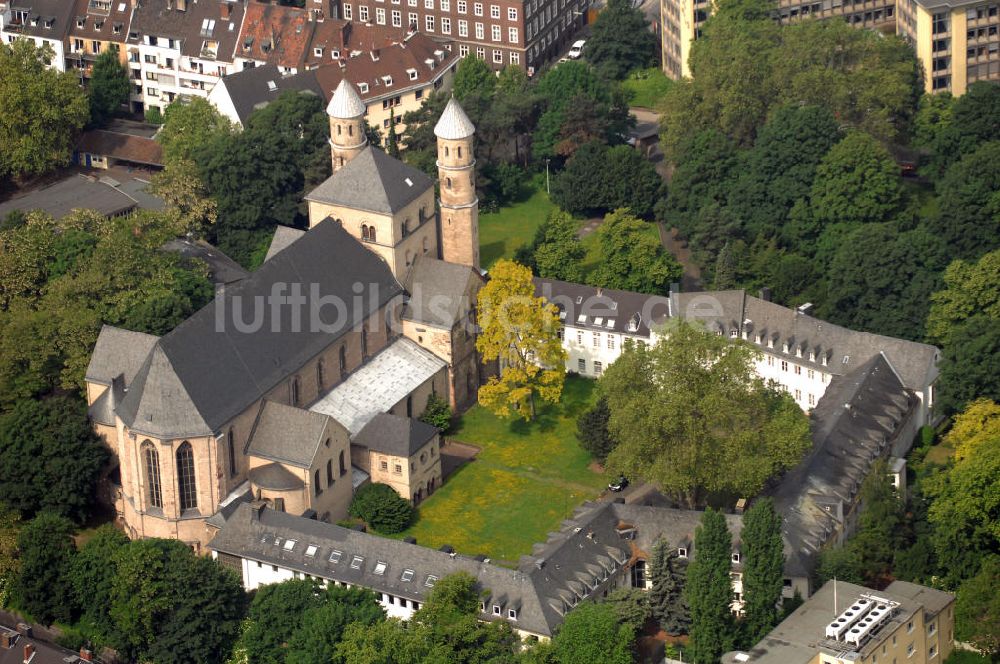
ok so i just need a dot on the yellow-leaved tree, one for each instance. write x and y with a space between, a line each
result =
978 424
520 332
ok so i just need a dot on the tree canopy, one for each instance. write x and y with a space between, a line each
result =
762 551
620 40
724 431
41 110
592 633
45 545
108 89
709 590
382 508
599 179
970 289
632 258
519 330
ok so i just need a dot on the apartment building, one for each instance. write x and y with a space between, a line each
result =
96 26
45 22
180 48
681 22
844 623
525 33
958 43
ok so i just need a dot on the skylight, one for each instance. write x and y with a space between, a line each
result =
311 550
610 324
599 321
335 556
582 318
356 562
430 580
290 544
407 575
379 568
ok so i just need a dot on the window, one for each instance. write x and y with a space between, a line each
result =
611 342
910 650
598 368
231 444
494 11
430 580
784 365
736 557
596 340
329 472
810 374
429 23
480 52
363 13
581 365
152 460
311 550
356 562
445 5
477 9
364 342
187 491
383 464
463 6
798 370
348 14
411 19
932 652
579 337
317 489
770 361
932 628
446 25
397 18
511 13
515 58
512 35
480 34
496 609
463 31
682 552
428 4
380 15
335 556
342 357
295 391
495 32
380 568
812 399
343 468
798 395
397 468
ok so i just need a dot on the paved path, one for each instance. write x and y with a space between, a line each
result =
589 227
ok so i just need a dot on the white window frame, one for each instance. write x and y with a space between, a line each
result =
428 4
348 12
446 25
380 15
397 18
429 23
463 50
480 31
512 13
363 13
477 9
463 7
515 58
495 34
463 31
494 11
512 35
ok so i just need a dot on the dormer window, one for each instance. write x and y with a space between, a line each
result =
412 73
512 614
81 21
682 552
736 557
318 51
496 609
387 80
482 606
363 88
335 54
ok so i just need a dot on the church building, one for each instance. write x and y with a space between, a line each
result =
300 382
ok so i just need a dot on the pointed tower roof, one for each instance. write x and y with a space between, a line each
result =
345 103
454 123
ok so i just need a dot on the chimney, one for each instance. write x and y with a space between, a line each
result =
765 294
29 652
225 10
7 639
86 655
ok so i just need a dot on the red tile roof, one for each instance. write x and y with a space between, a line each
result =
136 149
276 34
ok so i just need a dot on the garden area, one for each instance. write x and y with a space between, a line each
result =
647 87
503 231
526 479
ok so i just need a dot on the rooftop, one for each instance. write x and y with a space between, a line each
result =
276 34
288 434
104 20
454 123
345 102
222 269
395 435
381 383
71 193
256 87
373 181
206 30
438 292
603 309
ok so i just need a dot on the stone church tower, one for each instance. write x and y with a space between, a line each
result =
456 164
347 124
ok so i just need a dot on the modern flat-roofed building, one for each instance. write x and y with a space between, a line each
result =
957 42
844 623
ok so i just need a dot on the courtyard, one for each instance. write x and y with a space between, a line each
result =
526 478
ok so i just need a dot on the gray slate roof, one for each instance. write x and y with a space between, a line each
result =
283 236
852 425
288 434
275 477
256 87
395 435
380 384
438 292
206 371
71 193
373 181
454 124
222 269
118 352
57 11
615 309
161 18
345 102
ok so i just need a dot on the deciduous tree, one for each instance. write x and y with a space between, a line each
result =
977 425
92 575
632 258
276 613
592 633
46 552
10 566
968 217
620 40
709 590
763 570
631 606
968 364
970 289
321 628
473 77
977 609
108 89
188 205
41 110
52 458
520 331
725 431
856 182
599 179
189 125
382 508
556 252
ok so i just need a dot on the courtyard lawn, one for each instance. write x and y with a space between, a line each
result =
647 87
527 478
502 232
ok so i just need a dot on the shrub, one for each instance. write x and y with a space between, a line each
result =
382 508
154 116
437 413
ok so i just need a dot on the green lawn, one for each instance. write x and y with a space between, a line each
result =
525 481
648 87
501 233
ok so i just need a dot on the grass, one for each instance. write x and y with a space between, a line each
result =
527 478
502 232
647 87
966 657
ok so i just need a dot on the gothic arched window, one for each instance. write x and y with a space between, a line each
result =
343 360
152 460
232 453
186 488
371 234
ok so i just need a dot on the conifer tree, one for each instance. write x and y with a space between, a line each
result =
666 597
709 591
391 141
763 564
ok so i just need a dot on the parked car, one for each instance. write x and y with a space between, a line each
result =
576 50
619 485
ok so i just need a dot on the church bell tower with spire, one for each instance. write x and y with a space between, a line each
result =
347 124
456 164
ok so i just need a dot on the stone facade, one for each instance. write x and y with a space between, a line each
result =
459 205
414 477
